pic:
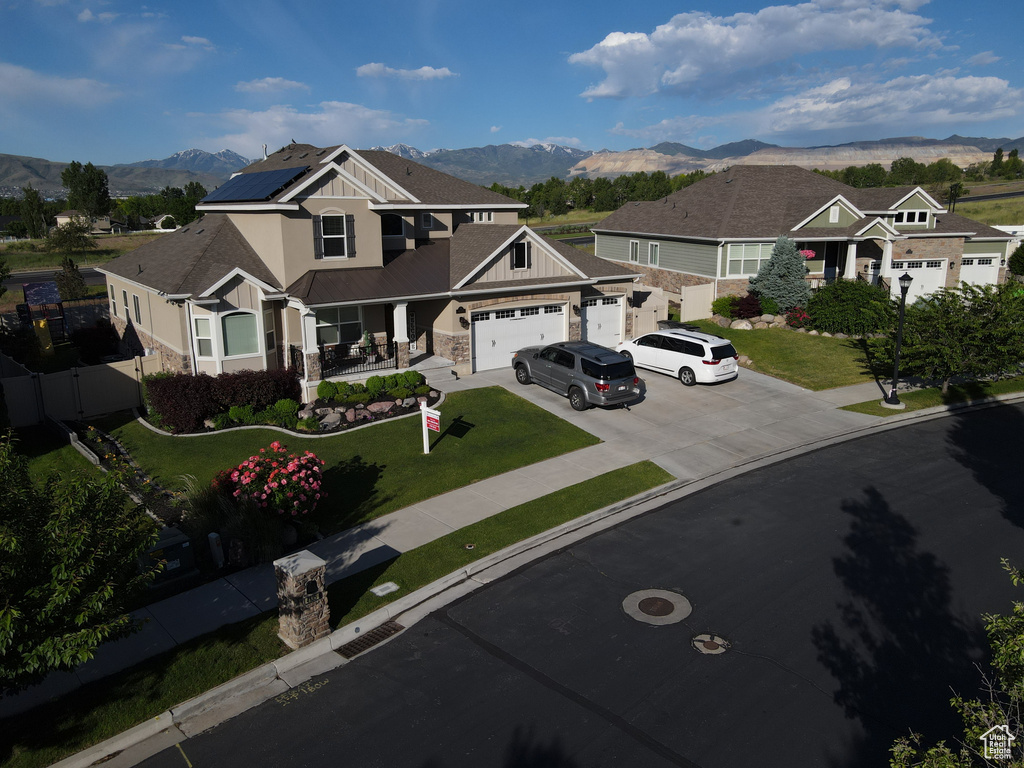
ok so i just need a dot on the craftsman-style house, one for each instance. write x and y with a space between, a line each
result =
720 230
340 262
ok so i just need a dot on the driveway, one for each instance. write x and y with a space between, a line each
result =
692 432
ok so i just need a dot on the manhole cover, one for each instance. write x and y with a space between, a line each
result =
710 644
657 606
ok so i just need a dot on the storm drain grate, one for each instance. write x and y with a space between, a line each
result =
370 639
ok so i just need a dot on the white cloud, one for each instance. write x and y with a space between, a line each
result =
269 85
423 73
200 42
327 124
22 86
87 15
696 52
495 128
893 107
921 100
983 59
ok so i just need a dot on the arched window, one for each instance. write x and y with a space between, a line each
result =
241 335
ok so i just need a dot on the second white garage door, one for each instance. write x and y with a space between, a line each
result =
497 334
980 270
928 277
602 320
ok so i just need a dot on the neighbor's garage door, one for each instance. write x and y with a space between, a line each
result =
497 334
980 270
602 320
928 277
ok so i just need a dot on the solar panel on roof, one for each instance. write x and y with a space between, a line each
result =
250 187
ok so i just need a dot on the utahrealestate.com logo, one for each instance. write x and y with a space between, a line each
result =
997 741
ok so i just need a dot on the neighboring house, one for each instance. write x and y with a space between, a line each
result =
158 221
306 255
99 225
722 229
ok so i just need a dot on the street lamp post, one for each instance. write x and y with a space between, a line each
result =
892 400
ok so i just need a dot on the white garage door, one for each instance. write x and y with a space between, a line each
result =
602 320
928 277
497 334
979 270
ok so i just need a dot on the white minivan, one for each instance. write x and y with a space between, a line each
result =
692 356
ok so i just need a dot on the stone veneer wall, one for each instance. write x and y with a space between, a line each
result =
134 342
666 279
452 346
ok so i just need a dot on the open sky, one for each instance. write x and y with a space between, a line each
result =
110 81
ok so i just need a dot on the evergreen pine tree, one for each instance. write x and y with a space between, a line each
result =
781 278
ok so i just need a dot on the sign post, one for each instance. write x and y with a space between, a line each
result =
431 423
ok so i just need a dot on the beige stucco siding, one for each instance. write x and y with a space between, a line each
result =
160 318
265 232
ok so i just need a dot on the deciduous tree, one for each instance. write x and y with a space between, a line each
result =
69 563
88 189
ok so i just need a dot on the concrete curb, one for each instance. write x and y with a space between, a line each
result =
296 668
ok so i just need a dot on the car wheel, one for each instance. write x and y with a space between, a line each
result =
686 377
577 399
522 375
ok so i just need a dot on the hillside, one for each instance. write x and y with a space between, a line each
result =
146 177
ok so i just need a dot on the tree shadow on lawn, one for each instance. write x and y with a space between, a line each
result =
870 363
352 494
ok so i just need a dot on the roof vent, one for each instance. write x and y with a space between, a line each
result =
199 231
320 152
286 157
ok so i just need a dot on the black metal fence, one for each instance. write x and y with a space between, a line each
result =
344 359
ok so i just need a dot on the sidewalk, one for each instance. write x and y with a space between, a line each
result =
693 433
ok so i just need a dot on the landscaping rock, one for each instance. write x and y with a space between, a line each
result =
409 402
209 424
800 330
330 421
382 407
434 394
744 360
724 322
306 413
321 412
760 325
350 415
812 333
768 318
421 399
741 325
826 333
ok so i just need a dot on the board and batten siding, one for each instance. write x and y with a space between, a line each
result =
675 255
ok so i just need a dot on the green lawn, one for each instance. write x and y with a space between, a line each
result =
104 709
814 362
47 453
374 471
930 397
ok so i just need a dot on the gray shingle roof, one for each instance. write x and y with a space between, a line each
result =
190 260
425 184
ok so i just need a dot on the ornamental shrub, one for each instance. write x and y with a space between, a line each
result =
748 306
725 306
286 407
375 385
281 483
413 379
422 389
400 393
309 424
781 278
391 381
181 401
242 414
222 421
852 307
326 390
797 318
1016 262
769 306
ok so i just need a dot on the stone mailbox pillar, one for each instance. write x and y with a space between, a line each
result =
301 599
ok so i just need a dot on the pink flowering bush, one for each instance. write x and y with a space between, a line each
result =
275 480
808 254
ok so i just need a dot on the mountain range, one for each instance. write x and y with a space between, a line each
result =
513 165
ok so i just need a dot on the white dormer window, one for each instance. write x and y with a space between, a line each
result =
833 214
521 253
483 217
911 217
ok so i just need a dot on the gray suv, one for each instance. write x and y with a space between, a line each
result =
586 373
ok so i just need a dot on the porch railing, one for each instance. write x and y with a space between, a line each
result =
880 281
344 359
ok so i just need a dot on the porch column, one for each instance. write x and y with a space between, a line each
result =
401 321
886 269
850 268
310 352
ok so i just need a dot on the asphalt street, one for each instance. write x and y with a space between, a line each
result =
846 585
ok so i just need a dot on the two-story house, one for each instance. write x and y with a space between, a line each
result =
339 262
722 229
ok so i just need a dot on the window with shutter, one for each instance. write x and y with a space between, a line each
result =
334 236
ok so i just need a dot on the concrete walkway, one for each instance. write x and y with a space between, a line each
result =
692 432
